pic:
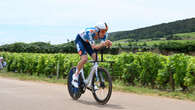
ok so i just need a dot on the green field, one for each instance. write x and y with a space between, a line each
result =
150 43
185 37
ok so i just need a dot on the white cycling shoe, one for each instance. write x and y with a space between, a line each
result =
75 80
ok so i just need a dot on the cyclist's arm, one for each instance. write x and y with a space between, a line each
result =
92 43
104 43
107 43
98 46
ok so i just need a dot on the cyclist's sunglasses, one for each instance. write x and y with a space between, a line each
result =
103 31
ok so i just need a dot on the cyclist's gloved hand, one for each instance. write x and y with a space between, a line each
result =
108 43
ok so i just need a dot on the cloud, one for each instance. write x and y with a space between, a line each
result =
86 12
1 33
65 18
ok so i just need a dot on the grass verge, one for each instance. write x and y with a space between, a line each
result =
120 86
117 85
41 78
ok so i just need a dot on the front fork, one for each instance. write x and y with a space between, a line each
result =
101 78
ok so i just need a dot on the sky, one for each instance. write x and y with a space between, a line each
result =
56 21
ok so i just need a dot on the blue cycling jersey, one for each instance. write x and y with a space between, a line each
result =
89 33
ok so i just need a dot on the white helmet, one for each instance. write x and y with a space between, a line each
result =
102 26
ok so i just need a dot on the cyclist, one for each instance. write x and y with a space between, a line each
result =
85 44
1 63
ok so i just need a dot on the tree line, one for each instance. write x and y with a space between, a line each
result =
70 47
43 47
39 47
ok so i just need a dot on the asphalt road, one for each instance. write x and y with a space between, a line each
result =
28 95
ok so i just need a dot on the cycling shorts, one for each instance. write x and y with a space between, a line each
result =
83 47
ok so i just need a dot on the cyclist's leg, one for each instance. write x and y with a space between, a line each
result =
90 51
78 68
83 55
81 63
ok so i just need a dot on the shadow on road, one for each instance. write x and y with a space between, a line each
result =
112 106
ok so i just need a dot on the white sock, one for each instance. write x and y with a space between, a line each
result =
76 70
76 73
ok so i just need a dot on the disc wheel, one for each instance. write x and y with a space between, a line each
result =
74 92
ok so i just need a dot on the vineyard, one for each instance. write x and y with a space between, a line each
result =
141 69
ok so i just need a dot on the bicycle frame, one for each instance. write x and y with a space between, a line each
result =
88 80
94 69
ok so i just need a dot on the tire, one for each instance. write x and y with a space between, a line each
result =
107 83
73 92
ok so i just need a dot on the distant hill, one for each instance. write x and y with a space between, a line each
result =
156 31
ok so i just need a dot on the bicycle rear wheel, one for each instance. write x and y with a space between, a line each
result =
102 86
74 92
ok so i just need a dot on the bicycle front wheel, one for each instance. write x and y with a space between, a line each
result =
74 92
102 86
